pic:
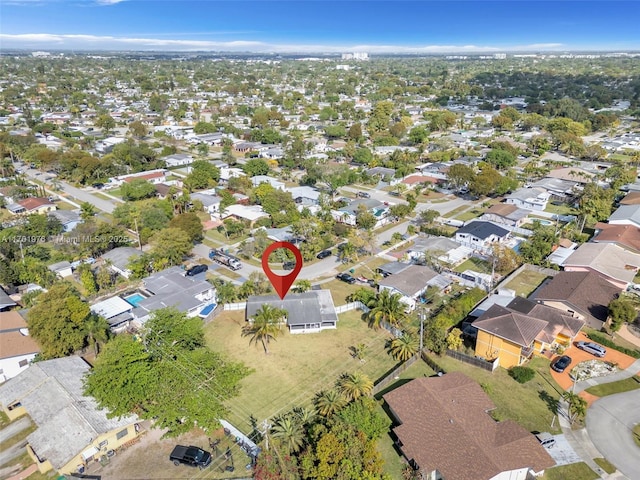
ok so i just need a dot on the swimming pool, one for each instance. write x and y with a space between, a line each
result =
135 299
542 221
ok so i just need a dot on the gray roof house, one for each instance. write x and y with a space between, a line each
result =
348 214
479 235
71 426
68 218
529 198
626 215
412 282
178 159
119 258
210 203
5 300
171 288
307 312
62 269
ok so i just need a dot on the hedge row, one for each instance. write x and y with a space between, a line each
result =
603 340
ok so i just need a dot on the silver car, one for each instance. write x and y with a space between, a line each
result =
592 348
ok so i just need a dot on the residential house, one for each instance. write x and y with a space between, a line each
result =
572 174
411 181
17 348
172 288
178 159
584 295
72 431
274 182
6 302
349 213
230 172
244 147
307 312
382 172
412 283
163 191
62 269
152 176
560 252
69 219
36 205
251 213
304 196
481 235
106 146
505 214
210 203
119 258
625 236
631 198
116 311
514 333
558 189
444 430
529 198
614 263
392 268
626 215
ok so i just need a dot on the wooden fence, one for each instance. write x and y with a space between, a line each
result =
477 362
391 376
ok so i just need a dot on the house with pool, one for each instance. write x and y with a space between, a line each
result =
168 288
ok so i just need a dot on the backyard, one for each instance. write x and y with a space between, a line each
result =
526 282
297 366
475 264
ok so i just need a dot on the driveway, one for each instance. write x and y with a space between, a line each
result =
8 454
562 452
623 361
610 421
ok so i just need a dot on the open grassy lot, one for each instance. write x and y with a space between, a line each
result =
526 282
532 405
470 214
620 386
562 209
575 471
456 211
475 264
341 290
297 366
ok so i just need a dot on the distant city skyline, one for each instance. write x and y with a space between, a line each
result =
375 27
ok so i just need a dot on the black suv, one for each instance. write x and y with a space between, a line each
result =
192 456
561 364
196 270
345 277
324 254
289 265
363 195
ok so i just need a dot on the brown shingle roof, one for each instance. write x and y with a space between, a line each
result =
502 209
557 320
510 325
445 426
12 340
11 320
33 203
588 292
623 235
631 198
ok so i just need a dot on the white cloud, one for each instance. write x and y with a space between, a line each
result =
108 2
108 42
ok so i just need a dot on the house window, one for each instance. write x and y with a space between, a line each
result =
103 444
122 433
14 405
23 363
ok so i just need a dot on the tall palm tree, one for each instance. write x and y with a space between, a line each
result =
354 385
97 332
87 210
386 307
404 347
289 431
329 402
266 326
305 415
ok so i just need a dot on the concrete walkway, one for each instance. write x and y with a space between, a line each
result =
579 439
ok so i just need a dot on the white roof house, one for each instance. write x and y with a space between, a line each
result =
245 212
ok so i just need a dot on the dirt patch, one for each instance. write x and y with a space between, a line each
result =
149 458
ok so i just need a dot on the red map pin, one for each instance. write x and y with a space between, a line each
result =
282 283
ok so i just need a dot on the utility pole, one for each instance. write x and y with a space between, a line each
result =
266 425
422 315
135 221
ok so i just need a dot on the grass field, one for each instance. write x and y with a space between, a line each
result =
456 211
341 290
297 366
526 282
475 264
636 435
620 386
531 404
605 464
560 209
575 471
469 214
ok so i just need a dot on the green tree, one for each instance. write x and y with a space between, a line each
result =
190 224
58 321
302 286
97 332
328 402
404 347
363 415
501 159
137 189
265 326
87 211
203 175
88 280
365 219
138 129
577 406
596 203
354 385
105 122
288 430
454 339
256 166
386 307
621 311
170 246
460 175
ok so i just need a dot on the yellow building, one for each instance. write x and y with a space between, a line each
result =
72 431
522 328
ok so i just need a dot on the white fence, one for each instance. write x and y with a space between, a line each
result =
235 306
352 306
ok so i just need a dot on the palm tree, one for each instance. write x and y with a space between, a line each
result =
329 402
87 211
386 307
97 332
305 415
354 385
288 429
302 286
404 347
577 405
266 326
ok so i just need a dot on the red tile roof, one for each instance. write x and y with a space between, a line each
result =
445 426
146 176
33 203
413 179
624 235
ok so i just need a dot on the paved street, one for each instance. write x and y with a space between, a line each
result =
610 421
9 431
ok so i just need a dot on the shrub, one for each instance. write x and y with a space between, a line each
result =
522 374
601 339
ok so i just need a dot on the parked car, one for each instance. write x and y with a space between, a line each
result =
345 277
546 439
289 265
324 254
192 456
363 195
394 193
196 270
561 363
592 348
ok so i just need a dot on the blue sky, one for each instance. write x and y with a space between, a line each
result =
320 26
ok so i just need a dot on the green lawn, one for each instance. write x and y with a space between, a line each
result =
620 386
455 211
636 435
605 464
563 209
532 404
526 282
297 366
475 264
469 215
575 471
341 290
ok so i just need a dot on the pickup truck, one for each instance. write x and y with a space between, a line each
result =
192 456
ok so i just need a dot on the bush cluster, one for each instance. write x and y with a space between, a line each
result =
601 339
522 374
